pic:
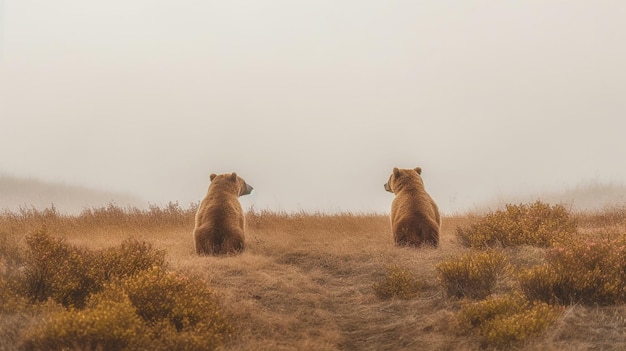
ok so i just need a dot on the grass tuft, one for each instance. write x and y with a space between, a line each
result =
472 275
398 282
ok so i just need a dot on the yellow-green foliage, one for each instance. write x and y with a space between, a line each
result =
185 303
68 274
398 282
57 270
10 299
174 311
504 321
128 259
109 325
120 298
155 310
536 224
581 271
471 275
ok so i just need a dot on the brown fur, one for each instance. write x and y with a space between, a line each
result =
415 218
220 221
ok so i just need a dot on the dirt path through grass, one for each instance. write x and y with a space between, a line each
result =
314 296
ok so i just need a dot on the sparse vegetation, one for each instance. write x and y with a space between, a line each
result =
122 278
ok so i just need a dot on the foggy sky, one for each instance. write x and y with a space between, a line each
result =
314 102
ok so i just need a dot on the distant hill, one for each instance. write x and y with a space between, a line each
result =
24 192
583 197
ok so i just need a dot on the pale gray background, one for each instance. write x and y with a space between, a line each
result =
314 102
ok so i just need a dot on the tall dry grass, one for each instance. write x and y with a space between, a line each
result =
307 281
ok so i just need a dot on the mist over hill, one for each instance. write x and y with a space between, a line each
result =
18 192
586 196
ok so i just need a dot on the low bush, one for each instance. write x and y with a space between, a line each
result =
471 275
10 299
504 321
108 325
582 271
57 270
69 274
173 297
131 257
398 282
536 224
121 298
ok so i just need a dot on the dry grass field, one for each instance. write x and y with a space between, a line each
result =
308 281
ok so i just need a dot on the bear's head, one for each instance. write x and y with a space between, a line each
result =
401 178
232 181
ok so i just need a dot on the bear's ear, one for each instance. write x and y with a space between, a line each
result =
418 170
212 176
233 176
396 172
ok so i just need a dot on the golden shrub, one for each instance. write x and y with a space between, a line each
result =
109 325
398 282
504 321
69 274
580 271
176 303
117 298
536 224
54 269
128 259
471 275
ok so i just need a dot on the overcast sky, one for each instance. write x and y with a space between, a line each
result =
314 102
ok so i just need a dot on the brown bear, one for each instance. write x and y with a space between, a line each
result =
220 220
414 216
